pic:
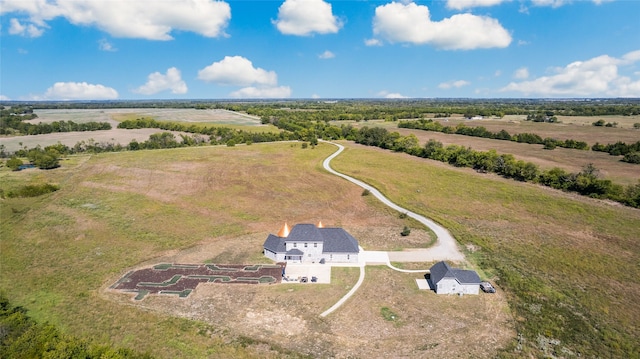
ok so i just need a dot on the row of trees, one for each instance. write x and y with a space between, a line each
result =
586 182
13 122
462 129
23 337
617 149
630 153
216 134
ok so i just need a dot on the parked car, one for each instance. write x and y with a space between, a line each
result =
487 287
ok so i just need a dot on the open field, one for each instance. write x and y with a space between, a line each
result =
213 116
578 128
554 252
121 211
220 117
569 159
545 249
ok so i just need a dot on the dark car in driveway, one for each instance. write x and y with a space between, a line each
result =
487 287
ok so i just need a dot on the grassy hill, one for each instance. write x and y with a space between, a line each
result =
566 265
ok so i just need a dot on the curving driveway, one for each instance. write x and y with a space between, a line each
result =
445 248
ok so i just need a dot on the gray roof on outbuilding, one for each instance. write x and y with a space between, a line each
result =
442 270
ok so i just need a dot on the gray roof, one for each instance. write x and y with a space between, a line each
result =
295 252
335 240
274 244
442 270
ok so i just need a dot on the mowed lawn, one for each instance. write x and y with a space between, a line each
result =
566 264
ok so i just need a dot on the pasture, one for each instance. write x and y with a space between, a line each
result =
548 252
216 117
570 160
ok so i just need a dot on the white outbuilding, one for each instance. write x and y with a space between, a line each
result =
447 280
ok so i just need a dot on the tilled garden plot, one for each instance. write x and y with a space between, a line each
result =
182 279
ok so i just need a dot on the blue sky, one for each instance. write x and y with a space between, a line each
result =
203 49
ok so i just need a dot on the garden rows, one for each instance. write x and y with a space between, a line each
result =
182 279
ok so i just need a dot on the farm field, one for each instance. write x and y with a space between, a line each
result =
569 159
210 116
216 117
545 250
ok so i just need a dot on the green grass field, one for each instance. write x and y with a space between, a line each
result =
568 265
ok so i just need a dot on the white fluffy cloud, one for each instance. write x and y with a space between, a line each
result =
391 95
80 91
558 3
306 17
29 30
394 95
521 73
105 45
591 78
327 55
453 84
157 82
411 23
237 71
467 4
372 42
152 20
262 92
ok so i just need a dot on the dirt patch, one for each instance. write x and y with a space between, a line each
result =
287 314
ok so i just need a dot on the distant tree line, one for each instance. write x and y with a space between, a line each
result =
586 182
470 107
216 134
23 337
630 152
12 122
462 129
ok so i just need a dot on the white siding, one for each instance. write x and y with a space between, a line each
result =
340 257
451 286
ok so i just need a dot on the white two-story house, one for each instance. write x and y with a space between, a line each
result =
308 243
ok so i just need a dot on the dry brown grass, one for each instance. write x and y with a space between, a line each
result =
119 211
568 159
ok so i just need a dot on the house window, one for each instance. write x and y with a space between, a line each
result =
348 256
305 245
295 245
315 245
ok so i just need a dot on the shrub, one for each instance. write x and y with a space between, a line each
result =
632 157
33 190
405 231
366 192
14 163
